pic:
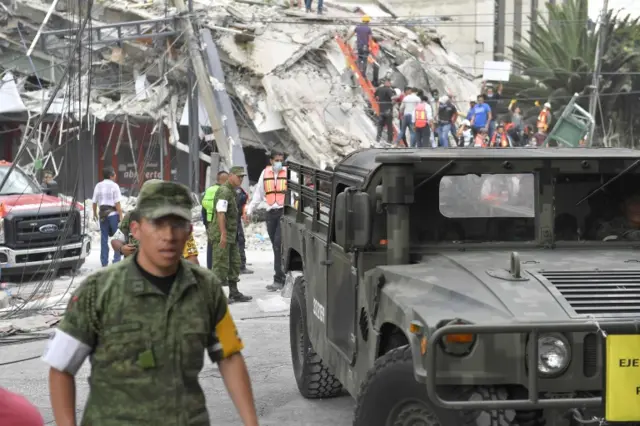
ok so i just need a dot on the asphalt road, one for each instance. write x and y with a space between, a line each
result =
266 338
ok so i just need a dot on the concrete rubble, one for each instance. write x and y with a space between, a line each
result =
285 70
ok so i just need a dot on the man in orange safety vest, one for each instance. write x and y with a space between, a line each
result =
544 118
422 118
272 189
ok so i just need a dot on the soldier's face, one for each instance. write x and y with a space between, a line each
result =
162 240
235 180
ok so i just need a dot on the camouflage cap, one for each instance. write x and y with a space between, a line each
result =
159 199
238 171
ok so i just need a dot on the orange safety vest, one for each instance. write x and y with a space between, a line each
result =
275 188
421 116
543 120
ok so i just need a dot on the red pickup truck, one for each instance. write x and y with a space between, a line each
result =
38 228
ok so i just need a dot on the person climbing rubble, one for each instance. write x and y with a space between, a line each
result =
422 119
384 95
363 35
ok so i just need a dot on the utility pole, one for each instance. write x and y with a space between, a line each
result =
595 84
204 88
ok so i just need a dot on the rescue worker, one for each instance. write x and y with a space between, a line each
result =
145 323
422 118
208 209
500 138
223 234
126 244
241 198
374 48
447 114
363 36
384 96
544 119
272 189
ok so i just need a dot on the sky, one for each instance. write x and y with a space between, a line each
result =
631 7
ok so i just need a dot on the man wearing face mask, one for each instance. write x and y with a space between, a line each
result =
272 189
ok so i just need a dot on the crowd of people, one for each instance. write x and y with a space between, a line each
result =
482 127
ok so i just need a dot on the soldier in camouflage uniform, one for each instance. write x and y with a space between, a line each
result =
624 227
145 357
223 231
124 243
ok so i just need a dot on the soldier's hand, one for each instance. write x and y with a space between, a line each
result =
223 241
128 249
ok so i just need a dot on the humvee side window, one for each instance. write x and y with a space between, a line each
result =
607 214
478 208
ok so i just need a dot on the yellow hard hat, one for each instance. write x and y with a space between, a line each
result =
366 18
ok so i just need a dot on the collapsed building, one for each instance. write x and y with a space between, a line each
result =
287 83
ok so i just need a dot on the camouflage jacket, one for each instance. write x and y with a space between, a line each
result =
146 358
618 227
227 193
190 248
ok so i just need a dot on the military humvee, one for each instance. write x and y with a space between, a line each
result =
466 287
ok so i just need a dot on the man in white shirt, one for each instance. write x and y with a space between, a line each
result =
272 189
407 108
107 210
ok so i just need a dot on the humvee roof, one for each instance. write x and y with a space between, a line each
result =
362 163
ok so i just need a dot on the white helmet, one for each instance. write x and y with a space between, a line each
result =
466 123
547 105
398 91
444 99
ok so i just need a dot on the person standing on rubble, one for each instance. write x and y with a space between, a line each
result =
241 198
145 324
107 212
208 209
447 114
422 119
363 36
272 189
384 96
407 107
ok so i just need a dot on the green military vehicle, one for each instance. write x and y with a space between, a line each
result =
432 304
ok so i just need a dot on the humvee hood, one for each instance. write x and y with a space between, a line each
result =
478 287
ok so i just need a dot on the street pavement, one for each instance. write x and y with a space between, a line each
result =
267 353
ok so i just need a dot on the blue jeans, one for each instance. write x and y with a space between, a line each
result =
443 134
492 128
108 226
407 120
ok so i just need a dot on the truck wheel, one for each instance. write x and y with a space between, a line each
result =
313 379
391 396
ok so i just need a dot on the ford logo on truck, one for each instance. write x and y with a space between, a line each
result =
48 229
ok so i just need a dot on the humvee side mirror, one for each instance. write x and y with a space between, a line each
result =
352 219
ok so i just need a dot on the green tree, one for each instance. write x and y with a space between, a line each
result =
557 60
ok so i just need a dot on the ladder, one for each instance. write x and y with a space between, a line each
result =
352 61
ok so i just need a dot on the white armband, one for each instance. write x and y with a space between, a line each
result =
221 206
119 236
65 353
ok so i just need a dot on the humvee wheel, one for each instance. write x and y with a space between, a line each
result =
391 396
313 379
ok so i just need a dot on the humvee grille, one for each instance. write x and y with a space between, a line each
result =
599 293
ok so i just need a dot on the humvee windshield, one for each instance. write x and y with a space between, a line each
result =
487 207
501 207
583 221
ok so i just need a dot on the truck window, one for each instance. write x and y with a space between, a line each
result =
612 211
18 183
479 208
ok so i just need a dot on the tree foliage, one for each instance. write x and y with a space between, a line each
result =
557 59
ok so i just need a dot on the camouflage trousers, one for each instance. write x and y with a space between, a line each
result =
226 263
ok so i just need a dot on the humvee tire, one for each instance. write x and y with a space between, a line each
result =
390 395
313 379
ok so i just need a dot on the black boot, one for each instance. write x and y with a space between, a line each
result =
245 271
235 296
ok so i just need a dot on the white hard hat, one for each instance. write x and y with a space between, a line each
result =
398 91
547 105
466 123
444 99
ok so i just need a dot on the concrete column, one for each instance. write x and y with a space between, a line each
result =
509 33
